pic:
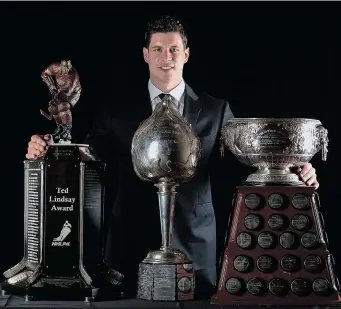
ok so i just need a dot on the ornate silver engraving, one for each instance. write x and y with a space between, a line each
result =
164 147
274 145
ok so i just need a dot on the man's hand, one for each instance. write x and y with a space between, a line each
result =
37 146
308 174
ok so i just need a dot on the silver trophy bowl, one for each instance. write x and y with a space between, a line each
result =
164 147
275 146
165 151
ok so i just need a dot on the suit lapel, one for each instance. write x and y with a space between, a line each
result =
143 109
192 107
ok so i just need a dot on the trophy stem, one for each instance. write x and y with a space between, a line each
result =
166 195
166 274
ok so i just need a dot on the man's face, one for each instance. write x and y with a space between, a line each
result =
166 57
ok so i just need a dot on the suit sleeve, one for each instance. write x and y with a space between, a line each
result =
224 171
228 114
100 134
102 139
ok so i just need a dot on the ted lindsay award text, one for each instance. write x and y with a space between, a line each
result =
62 199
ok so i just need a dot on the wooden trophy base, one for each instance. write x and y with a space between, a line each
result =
166 282
277 250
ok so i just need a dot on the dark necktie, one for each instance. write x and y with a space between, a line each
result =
162 95
168 96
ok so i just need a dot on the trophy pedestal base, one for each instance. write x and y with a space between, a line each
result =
62 288
166 282
277 250
48 289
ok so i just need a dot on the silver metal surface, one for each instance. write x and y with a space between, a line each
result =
164 147
165 256
274 145
41 206
87 153
89 299
165 150
82 270
166 197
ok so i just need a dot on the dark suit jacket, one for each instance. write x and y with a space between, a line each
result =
134 227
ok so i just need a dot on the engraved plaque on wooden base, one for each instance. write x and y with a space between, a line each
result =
277 250
162 282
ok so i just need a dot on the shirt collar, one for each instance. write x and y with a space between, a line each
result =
176 93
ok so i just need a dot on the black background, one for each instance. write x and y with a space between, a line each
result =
268 59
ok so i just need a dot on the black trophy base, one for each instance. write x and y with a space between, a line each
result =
166 282
61 289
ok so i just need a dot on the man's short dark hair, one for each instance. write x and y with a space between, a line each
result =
165 24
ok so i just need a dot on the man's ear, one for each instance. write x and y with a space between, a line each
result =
145 54
186 54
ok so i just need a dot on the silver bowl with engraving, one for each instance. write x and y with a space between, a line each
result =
165 151
275 146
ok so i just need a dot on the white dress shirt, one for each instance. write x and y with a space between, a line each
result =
178 95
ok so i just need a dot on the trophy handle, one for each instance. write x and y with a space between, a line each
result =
323 141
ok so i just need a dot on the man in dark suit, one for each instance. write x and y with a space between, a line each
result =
135 224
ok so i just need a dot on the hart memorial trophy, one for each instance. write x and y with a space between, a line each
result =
165 151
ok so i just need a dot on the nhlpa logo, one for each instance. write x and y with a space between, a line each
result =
58 241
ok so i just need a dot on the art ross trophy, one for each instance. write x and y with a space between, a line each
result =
64 196
276 250
165 150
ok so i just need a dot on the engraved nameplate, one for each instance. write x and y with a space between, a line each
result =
272 138
93 212
33 240
61 237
